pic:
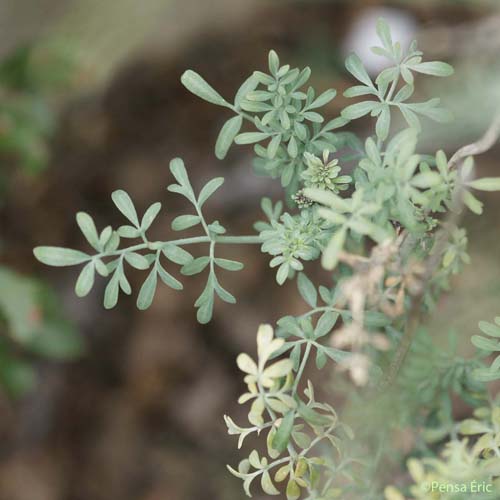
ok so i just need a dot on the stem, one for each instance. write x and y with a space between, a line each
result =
235 240
324 309
203 222
387 100
239 240
404 345
212 259
302 366
393 87
316 440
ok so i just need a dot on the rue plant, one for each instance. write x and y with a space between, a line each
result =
383 218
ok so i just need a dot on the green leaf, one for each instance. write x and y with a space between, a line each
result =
327 198
335 246
59 257
325 323
179 172
355 67
489 328
229 265
485 344
335 354
248 86
267 484
358 110
111 291
216 228
321 359
168 279
404 93
292 148
383 123
410 117
195 266
128 232
485 375
198 86
486 184
101 268
282 436
224 294
431 110
313 117
279 369
150 216
282 273
472 203
470 427
307 290
274 62
246 364
185 222
255 106
113 242
336 123
106 234
311 416
123 281
226 136
87 227
209 189
434 68
250 137
358 91
425 180
495 366
177 254
384 33
85 281
205 311
124 204
323 99
147 292
273 146
292 490
137 260
387 76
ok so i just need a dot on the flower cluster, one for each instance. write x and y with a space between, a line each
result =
324 173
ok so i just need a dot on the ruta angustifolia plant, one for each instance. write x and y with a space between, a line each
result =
383 219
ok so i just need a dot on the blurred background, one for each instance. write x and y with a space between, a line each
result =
100 405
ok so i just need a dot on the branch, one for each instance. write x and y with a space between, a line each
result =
481 146
485 143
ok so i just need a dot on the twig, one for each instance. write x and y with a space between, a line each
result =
482 145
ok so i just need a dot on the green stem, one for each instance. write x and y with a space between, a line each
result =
316 440
239 240
303 364
387 100
203 221
324 309
393 87
236 240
